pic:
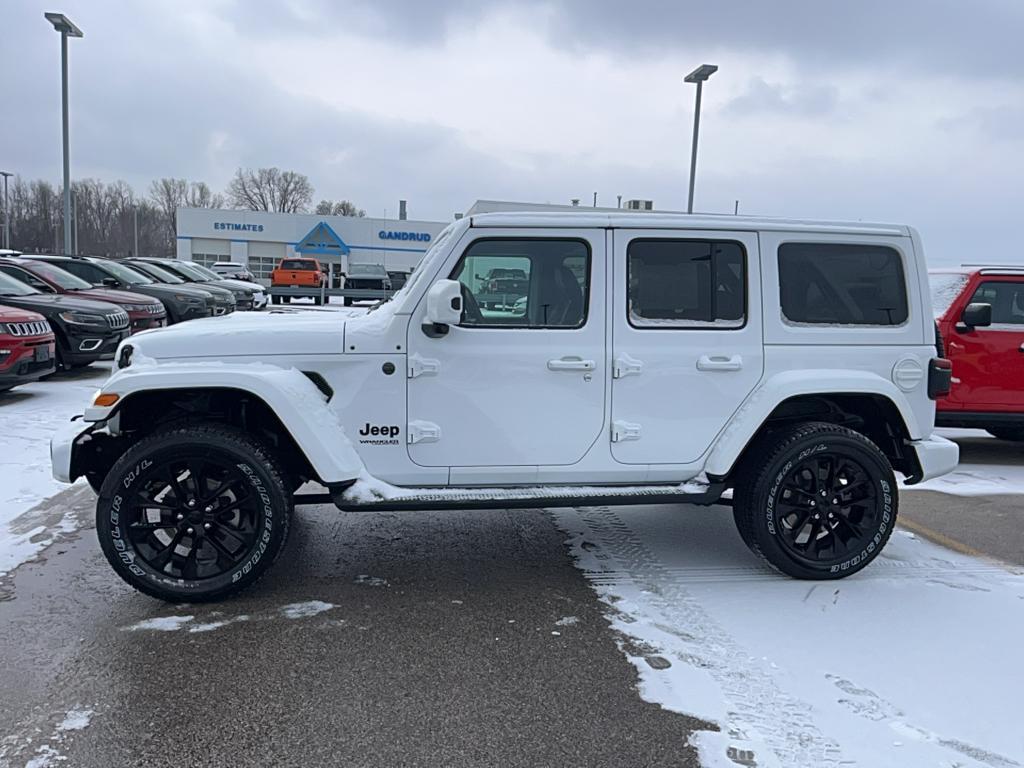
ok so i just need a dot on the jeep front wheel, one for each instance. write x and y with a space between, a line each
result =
816 501
193 513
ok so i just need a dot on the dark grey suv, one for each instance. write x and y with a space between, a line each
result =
183 302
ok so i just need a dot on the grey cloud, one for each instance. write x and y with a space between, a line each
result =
760 97
980 38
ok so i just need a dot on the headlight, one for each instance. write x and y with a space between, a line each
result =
197 301
3 328
83 318
135 307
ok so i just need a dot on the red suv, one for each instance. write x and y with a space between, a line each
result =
26 347
980 312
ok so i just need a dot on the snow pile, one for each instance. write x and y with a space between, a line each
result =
903 664
306 609
29 415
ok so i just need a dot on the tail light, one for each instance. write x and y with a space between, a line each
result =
940 377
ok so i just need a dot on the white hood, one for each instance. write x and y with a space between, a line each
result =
246 334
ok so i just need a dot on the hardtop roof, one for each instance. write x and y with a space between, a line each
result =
648 220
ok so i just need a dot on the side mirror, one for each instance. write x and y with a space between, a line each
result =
444 307
110 282
977 315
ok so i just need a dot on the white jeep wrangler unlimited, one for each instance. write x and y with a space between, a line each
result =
638 358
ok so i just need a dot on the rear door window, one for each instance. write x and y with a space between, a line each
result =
842 284
686 284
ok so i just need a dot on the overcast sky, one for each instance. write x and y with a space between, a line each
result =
909 111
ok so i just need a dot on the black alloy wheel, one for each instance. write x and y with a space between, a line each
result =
193 513
815 500
827 504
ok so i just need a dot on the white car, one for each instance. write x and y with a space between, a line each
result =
655 359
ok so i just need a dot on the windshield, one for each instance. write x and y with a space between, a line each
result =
11 287
157 273
58 276
946 286
299 264
204 271
374 270
190 270
125 273
419 270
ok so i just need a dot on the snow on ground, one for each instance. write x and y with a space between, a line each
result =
912 662
28 416
973 479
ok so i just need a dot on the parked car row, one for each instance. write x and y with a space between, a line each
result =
62 312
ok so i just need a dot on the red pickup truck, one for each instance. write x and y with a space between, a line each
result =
980 313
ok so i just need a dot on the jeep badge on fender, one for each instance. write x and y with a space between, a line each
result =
552 358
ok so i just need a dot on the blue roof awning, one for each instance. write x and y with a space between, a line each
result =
322 239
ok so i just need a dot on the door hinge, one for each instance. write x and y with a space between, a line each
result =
626 366
423 432
625 430
421 366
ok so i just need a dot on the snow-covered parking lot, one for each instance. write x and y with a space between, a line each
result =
913 662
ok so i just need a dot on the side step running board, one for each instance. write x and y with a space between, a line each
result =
518 498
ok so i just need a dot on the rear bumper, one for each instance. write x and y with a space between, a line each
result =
935 456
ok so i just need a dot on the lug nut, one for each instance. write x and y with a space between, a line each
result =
191 502
208 509
181 516
207 526
189 530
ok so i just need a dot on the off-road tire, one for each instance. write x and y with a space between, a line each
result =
762 485
1013 434
260 474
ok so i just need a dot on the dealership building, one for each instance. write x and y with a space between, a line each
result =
260 239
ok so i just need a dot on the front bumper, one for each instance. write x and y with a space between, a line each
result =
146 322
935 456
62 446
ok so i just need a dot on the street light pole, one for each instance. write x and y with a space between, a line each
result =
698 76
7 212
67 29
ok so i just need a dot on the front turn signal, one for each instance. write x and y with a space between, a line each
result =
105 400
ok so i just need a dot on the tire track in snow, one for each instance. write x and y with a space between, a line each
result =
764 725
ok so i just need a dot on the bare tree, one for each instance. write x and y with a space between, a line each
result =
106 219
270 189
340 208
168 195
200 196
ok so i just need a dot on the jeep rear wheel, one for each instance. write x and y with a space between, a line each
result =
193 513
816 501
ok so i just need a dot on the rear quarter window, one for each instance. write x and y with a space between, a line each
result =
838 284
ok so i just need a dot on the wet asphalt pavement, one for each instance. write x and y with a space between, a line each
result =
427 639
992 526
